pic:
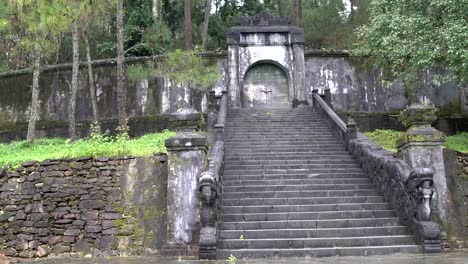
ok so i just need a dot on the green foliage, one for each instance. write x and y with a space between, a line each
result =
16 153
182 67
327 27
408 37
188 67
458 142
232 259
385 138
388 140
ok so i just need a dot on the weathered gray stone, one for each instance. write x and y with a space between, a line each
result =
186 160
72 232
68 239
107 242
111 216
43 251
20 215
284 45
422 147
33 244
29 163
34 176
91 204
93 229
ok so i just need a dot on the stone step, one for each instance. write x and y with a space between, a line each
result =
320 176
302 201
279 140
267 172
300 194
290 162
280 133
285 157
278 148
318 252
314 233
301 224
295 187
246 217
249 183
303 208
280 166
316 242
269 128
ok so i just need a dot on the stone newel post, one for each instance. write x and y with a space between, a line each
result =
186 161
422 147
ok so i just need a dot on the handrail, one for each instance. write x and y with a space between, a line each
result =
409 191
210 183
222 115
345 132
330 112
222 112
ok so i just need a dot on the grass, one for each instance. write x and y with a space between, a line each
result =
458 142
16 153
387 139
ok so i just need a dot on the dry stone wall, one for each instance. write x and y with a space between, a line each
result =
463 173
96 206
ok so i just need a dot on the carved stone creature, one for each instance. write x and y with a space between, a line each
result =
209 191
420 186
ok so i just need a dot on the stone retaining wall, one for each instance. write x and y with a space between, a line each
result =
101 207
463 174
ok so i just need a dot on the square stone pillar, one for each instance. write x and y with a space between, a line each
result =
422 147
186 161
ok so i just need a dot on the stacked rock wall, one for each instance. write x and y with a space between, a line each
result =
463 174
83 206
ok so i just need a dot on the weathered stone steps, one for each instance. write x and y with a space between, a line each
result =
304 208
318 252
291 190
314 233
306 215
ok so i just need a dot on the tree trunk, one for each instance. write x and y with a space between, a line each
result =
74 83
92 91
155 10
298 12
121 98
188 24
206 23
34 110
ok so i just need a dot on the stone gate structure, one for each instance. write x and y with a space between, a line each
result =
262 40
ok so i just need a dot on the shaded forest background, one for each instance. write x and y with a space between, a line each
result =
153 27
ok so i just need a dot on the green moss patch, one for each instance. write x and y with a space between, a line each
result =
15 153
388 140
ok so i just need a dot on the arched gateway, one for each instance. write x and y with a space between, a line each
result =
266 63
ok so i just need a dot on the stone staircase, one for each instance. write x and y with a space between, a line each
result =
291 190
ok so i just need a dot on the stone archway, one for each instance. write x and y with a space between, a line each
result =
265 85
264 38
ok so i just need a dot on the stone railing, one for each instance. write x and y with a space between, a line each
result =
408 190
222 115
210 190
345 132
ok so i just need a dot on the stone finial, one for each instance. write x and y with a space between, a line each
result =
417 118
352 128
418 114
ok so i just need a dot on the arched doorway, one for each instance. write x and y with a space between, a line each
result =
265 85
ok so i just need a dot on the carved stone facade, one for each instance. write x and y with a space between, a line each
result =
266 39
